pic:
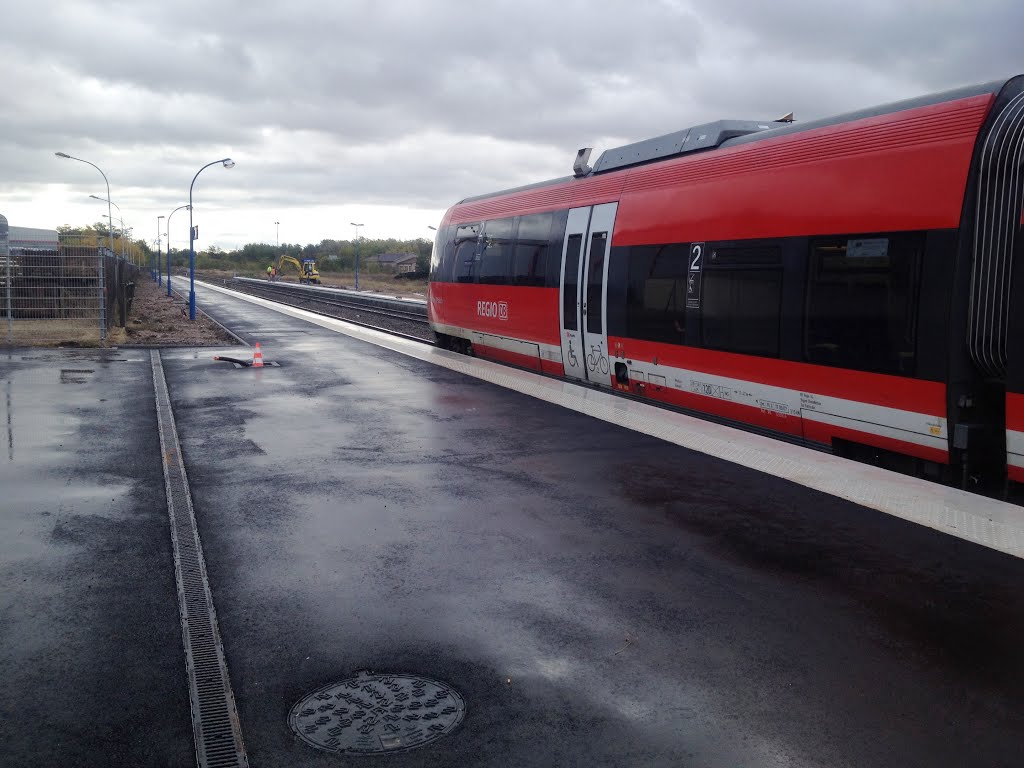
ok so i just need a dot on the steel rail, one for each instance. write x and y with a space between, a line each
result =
339 301
302 300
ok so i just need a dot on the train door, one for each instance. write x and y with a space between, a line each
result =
585 252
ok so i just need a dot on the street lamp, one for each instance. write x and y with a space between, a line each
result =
103 289
169 244
227 162
277 224
357 226
119 215
123 232
159 274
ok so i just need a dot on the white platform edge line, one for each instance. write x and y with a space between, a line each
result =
989 522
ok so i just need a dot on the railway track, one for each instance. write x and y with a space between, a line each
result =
395 316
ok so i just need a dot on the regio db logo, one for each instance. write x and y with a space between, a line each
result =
498 309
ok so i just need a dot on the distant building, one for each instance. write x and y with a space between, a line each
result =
399 262
32 239
25 243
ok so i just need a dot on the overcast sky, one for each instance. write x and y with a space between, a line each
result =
385 112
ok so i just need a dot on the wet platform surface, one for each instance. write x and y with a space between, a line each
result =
597 596
91 664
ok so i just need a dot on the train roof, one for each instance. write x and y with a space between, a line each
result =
897 106
728 133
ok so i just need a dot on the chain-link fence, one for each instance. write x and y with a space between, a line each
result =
69 292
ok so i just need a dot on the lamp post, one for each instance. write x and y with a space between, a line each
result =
357 226
103 290
119 215
169 244
277 224
126 243
159 274
123 231
227 162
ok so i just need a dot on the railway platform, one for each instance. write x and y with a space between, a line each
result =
380 530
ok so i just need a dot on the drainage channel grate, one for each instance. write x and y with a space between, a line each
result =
375 713
215 725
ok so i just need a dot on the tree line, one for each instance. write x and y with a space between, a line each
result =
331 255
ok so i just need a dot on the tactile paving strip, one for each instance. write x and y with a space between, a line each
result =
215 725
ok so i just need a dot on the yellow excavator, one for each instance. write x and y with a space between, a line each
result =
307 269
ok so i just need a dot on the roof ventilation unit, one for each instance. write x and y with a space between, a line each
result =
695 139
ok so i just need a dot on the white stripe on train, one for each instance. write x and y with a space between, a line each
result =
1015 448
892 423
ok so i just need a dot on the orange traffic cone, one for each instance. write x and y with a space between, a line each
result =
257 357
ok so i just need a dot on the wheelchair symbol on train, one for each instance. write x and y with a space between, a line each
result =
574 362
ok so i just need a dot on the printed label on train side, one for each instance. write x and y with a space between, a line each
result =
710 390
809 401
780 409
498 309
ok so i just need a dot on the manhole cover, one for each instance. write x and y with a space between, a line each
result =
377 713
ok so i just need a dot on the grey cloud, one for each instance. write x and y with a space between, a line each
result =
934 43
421 103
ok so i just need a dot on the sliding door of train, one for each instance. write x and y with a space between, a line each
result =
588 239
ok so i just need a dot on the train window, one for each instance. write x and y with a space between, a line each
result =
656 296
740 310
862 302
570 293
465 261
529 264
556 240
442 256
496 254
595 280
435 254
467 232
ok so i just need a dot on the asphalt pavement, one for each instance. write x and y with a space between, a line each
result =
91 663
596 596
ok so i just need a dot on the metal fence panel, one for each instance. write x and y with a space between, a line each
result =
69 294
5 273
55 296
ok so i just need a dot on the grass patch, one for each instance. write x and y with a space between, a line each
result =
52 333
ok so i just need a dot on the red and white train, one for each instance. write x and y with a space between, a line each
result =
847 282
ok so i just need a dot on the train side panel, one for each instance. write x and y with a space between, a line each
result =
880 178
797 399
512 324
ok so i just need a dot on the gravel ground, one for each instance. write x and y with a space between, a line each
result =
157 320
